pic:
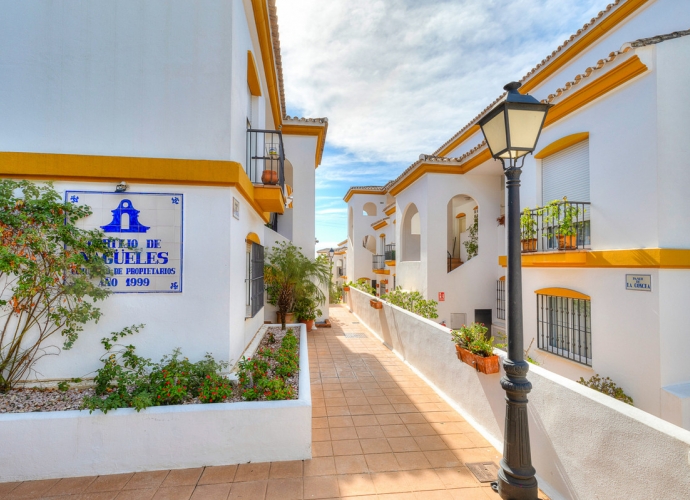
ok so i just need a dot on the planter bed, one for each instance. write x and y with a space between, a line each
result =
51 444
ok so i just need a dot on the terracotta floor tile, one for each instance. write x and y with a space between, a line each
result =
321 487
337 411
377 445
442 458
457 441
403 444
341 433
356 484
357 401
70 486
457 477
174 493
32 489
320 435
146 480
249 490
6 488
369 432
477 439
430 443
340 422
365 420
424 479
322 449
323 466
138 494
477 455
448 427
433 495
393 431
346 447
413 418
472 494
318 412
212 492
412 460
285 489
382 462
388 419
361 410
333 394
111 482
351 464
319 423
378 400
397 496
335 401
291 468
252 472
390 482
182 477
380 409
353 393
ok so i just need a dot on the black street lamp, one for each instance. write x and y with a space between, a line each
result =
511 131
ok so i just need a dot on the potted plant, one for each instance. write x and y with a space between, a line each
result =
346 286
528 231
562 217
475 348
269 177
376 304
306 311
289 275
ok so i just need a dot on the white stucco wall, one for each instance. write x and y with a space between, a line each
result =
570 425
359 259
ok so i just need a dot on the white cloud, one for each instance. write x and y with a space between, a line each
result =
397 78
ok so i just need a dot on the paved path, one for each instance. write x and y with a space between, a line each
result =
379 432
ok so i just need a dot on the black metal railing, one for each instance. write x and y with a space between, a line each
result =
379 262
390 251
501 299
564 327
255 280
559 226
265 157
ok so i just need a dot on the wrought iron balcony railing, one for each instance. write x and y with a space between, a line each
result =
390 251
379 262
558 226
265 157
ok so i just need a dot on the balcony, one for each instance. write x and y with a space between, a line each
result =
556 227
378 262
389 254
265 168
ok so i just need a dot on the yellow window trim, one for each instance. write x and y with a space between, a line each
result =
502 278
380 225
318 131
382 271
253 237
89 168
562 292
641 258
363 279
390 263
253 79
561 144
390 211
460 215
382 235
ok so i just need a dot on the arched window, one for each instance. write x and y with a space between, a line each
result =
411 234
351 226
462 231
369 242
369 209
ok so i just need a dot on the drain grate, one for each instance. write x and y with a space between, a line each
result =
355 336
485 472
355 322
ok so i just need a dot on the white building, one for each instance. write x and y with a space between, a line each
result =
611 298
184 102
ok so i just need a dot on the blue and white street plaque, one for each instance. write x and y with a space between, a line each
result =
638 282
145 232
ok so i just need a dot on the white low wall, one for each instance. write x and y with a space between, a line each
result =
585 445
76 443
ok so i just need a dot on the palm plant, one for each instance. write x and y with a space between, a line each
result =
289 276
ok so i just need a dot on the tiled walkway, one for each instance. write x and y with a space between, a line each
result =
379 432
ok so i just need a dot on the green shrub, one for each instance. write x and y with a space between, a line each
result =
606 386
363 286
413 302
215 389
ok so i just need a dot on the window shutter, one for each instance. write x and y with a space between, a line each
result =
566 173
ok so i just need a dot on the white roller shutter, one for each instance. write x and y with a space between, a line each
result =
566 173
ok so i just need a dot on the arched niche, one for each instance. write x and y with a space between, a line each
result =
462 231
369 209
411 234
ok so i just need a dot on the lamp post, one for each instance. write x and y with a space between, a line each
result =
511 131
331 253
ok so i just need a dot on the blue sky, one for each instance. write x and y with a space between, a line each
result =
397 78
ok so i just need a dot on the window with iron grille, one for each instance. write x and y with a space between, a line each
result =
564 327
255 279
501 299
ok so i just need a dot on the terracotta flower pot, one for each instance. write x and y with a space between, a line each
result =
309 323
269 177
529 245
567 242
346 289
376 304
289 318
482 364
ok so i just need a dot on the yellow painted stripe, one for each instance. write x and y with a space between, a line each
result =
382 271
595 33
318 131
390 263
253 79
641 258
561 144
88 168
390 211
562 292
380 225
353 192
254 238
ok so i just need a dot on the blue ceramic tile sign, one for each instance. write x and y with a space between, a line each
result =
144 231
